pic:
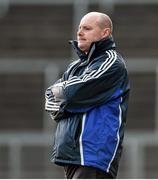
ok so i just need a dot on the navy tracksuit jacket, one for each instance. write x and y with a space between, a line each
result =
91 108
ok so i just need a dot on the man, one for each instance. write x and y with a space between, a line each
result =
89 104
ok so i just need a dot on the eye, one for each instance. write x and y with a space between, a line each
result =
84 28
87 28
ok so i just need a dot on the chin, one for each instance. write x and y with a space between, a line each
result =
81 47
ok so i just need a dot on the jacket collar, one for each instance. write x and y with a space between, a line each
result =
96 48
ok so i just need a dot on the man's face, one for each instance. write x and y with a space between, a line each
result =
88 32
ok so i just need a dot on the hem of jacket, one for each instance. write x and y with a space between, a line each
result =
66 162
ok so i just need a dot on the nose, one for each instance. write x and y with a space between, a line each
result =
80 32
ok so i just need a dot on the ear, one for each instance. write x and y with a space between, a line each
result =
106 32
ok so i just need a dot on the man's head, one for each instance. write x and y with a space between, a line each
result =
93 27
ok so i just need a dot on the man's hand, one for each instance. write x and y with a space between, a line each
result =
51 103
58 92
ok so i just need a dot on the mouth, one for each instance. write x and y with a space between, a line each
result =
80 40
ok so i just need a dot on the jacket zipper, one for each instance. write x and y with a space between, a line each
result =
73 70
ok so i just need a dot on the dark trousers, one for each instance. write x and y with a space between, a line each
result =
84 172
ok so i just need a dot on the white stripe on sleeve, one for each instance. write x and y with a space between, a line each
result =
96 73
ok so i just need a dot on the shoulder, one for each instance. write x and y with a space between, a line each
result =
112 62
120 62
114 58
108 59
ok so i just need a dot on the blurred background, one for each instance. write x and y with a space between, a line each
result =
34 52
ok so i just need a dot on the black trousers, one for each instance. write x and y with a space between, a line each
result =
85 172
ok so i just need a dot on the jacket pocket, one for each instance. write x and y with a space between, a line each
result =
74 129
68 133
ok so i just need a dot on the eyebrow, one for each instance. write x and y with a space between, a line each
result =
85 26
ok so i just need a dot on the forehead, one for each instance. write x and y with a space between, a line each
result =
89 21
